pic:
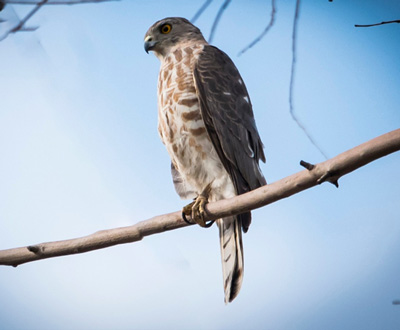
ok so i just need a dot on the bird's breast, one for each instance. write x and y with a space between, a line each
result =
181 125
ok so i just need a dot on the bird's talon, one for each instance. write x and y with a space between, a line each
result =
208 225
197 210
185 219
187 211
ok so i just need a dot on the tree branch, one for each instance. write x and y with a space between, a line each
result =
262 35
38 4
291 84
201 10
217 18
68 2
21 23
376 24
330 171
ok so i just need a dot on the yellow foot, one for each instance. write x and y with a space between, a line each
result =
196 209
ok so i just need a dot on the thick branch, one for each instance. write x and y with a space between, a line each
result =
330 170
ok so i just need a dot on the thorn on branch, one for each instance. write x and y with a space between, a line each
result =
306 165
34 249
330 177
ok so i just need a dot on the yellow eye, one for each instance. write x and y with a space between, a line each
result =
166 28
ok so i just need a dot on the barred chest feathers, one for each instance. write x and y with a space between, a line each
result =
181 126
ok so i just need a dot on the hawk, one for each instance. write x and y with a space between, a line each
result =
206 122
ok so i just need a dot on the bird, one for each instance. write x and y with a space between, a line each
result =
206 122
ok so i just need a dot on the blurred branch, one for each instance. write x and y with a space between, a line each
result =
292 72
70 2
21 23
217 18
270 24
376 24
20 27
200 11
330 171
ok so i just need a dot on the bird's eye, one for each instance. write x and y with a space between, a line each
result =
166 28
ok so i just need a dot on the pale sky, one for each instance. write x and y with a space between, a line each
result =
80 152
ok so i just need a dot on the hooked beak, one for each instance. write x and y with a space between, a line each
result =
149 44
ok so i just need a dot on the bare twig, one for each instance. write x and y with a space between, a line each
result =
70 2
217 18
292 72
200 11
270 24
38 4
330 170
376 24
20 25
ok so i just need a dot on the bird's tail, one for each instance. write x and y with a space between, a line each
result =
230 233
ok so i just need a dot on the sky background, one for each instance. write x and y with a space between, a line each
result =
80 152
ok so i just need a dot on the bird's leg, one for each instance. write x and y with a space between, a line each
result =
196 209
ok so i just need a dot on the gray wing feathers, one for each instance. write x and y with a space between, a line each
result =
228 115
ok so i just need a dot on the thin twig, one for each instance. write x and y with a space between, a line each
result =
200 11
20 26
21 23
270 24
70 2
376 24
217 18
292 72
330 171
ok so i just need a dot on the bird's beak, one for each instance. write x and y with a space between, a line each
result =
149 44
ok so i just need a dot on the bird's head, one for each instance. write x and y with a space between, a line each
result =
168 32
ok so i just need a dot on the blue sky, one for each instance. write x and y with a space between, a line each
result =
80 152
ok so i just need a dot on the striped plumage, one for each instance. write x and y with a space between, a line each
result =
206 122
